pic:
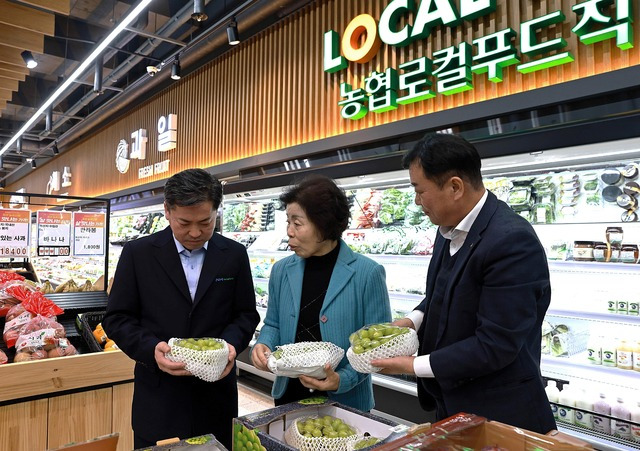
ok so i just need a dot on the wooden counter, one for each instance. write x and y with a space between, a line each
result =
67 399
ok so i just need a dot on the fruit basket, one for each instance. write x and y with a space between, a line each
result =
86 323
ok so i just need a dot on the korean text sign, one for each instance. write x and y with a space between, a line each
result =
88 233
15 230
54 233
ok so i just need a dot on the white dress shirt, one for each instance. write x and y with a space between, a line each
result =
192 262
457 235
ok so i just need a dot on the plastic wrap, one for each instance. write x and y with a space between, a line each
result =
306 358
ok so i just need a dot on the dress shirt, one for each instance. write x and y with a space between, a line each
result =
457 235
192 262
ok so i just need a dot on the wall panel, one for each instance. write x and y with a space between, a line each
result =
270 92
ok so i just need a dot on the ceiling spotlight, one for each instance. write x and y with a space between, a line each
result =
19 146
175 69
55 149
28 59
232 32
198 11
33 164
152 70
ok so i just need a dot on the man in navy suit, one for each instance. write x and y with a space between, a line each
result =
184 281
487 292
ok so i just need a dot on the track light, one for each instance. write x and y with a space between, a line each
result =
175 69
33 164
28 59
97 75
55 149
48 119
198 11
232 32
19 146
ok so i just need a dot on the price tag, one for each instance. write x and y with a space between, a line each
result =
15 227
54 233
88 233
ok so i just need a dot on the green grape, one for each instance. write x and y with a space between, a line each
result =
366 442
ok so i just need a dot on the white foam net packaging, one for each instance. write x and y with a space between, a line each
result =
380 341
320 434
205 358
306 358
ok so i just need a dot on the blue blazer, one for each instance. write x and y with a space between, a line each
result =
357 296
487 353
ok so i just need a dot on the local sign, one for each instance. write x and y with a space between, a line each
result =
453 67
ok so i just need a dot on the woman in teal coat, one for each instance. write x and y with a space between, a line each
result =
324 292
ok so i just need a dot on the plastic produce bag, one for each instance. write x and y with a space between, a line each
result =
17 317
306 358
12 292
42 336
380 341
205 358
320 433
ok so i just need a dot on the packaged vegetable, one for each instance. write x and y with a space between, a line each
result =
12 292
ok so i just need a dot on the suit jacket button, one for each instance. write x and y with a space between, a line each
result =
323 319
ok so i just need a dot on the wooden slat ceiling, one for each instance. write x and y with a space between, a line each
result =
23 27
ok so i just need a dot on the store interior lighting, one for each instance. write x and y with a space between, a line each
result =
232 32
33 164
124 23
198 11
175 69
19 146
55 149
28 59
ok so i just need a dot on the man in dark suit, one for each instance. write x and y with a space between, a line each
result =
487 292
185 281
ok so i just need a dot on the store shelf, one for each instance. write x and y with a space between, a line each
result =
612 318
618 269
578 368
598 441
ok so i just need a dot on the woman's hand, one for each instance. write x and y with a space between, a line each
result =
329 383
259 356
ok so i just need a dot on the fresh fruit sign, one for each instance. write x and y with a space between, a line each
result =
88 233
15 227
54 233
453 67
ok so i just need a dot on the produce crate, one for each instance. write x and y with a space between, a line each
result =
86 322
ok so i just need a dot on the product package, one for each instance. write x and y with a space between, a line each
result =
465 431
380 341
283 427
306 358
205 358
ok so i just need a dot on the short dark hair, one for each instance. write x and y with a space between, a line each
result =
324 202
192 187
442 156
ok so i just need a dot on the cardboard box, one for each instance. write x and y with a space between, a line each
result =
103 443
464 431
269 426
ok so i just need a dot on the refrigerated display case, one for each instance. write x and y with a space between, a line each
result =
572 196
